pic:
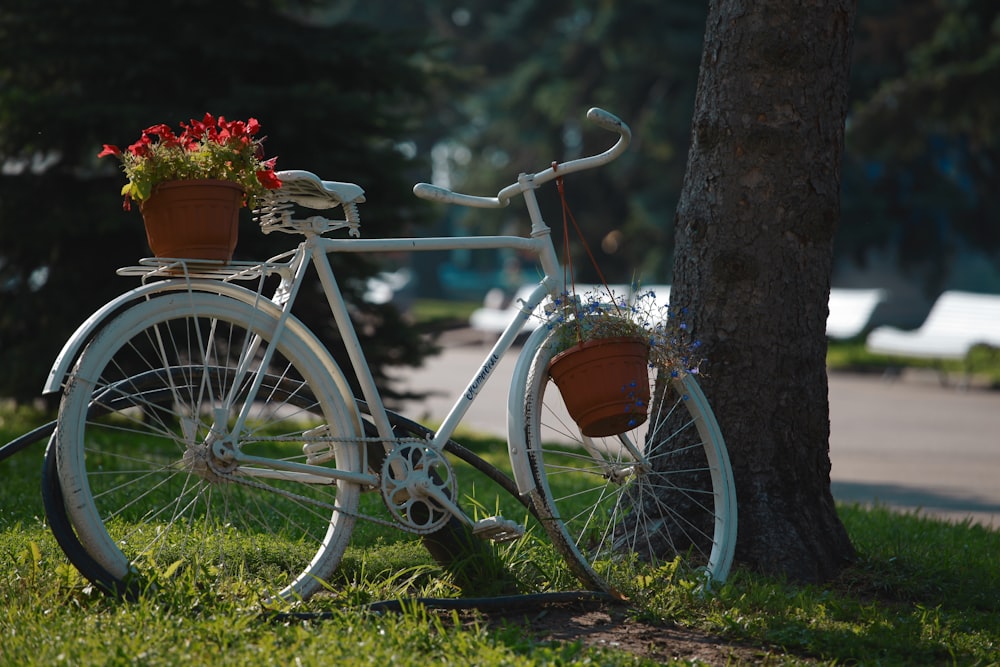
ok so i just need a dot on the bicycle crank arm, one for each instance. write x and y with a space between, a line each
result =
442 499
494 528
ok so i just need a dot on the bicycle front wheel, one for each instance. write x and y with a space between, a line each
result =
617 508
151 450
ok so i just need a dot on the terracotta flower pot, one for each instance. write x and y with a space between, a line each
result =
194 219
604 384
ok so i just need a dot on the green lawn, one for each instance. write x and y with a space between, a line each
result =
982 363
921 592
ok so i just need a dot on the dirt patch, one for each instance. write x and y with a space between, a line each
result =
611 626
589 621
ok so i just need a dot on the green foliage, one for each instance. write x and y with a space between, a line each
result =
334 99
918 175
546 64
492 89
923 152
945 84
528 72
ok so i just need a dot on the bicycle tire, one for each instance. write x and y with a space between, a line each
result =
145 474
150 386
615 519
62 529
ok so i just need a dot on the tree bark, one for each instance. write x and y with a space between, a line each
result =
755 228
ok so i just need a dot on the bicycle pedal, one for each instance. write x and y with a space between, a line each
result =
498 529
318 452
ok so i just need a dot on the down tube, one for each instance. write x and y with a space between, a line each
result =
492 359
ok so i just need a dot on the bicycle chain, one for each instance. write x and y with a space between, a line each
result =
359 440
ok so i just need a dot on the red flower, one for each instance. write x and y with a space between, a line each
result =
167 137
198 129
141 148
269 179
110 149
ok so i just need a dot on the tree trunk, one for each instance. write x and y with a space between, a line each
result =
755 228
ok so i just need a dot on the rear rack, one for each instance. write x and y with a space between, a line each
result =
150 268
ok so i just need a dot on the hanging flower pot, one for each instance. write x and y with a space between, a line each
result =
604 383
193 219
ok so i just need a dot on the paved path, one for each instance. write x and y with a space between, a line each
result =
909 443
915 444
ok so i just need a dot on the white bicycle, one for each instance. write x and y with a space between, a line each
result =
203 426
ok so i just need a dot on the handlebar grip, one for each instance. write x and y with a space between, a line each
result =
439 194
431 192
608 121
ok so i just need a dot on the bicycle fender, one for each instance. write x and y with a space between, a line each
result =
86 331
517 439
71 348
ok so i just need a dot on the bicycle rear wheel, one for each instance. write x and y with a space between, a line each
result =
619 507
145 440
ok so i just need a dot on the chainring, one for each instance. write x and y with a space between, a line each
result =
412 475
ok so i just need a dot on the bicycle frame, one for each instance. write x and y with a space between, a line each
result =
315 249
539 244
251 427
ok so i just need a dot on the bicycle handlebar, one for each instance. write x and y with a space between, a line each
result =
599 117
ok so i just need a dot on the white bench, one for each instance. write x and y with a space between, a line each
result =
492 320
851 311
956 322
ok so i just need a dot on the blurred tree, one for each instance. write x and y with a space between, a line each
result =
755 230
531 70
547 63
919 193
333 99
923 147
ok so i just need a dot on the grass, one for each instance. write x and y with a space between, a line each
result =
921 592
982 362
431 315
